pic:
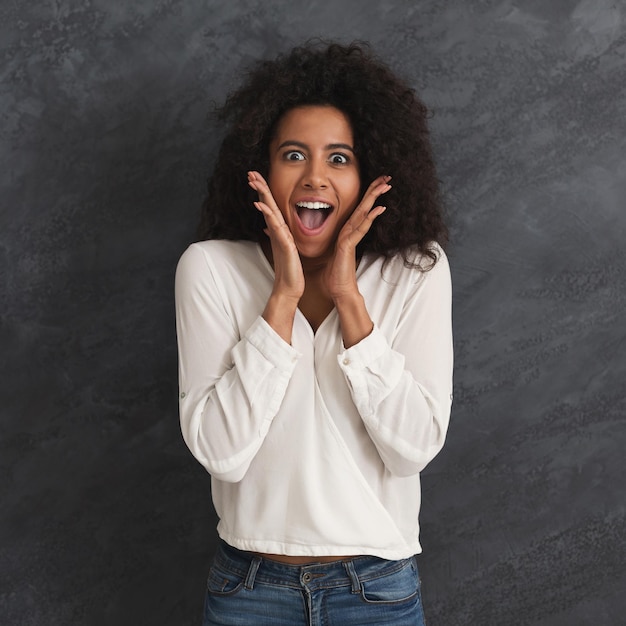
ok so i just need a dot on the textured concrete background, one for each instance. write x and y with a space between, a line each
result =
106 518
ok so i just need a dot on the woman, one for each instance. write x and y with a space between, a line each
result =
315 344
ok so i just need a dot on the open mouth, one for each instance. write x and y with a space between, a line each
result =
313 214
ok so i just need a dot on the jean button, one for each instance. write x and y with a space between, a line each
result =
307 577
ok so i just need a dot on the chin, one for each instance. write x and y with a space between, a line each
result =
313 252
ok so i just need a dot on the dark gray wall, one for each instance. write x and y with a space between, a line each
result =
106 518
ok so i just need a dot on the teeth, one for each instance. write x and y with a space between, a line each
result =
313 205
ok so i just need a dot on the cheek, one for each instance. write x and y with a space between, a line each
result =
354 191
273 182
279 191
278 179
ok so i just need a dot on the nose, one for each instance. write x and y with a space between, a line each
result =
314 176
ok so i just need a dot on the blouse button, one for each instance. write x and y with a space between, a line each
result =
346 361
182 395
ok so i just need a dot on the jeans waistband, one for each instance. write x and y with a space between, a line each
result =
345 573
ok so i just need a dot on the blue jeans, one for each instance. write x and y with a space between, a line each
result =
246 590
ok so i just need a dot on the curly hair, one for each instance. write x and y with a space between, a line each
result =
390 137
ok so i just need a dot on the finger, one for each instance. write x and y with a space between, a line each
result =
273 217
368 220
376 189
356 232
277 229
259 184
377 184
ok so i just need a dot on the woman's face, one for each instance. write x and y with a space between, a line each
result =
314 176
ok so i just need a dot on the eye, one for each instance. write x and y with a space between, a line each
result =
293 155
338 158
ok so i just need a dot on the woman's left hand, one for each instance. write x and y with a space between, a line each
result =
340 273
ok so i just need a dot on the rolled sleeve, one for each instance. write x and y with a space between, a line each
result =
372 371
272 347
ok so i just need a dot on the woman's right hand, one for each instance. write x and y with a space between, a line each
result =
288 274
289 279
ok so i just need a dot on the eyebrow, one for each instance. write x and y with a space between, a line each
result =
330 146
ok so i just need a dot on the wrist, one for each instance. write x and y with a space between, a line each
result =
279 313
349 300
283 301
347 292
354 319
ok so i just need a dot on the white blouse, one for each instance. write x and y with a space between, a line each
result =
313 450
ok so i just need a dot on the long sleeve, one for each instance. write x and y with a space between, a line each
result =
232 383
401 381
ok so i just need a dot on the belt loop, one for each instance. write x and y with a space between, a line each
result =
354 578
252 570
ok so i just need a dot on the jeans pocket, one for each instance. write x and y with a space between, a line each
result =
397 587
222 582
